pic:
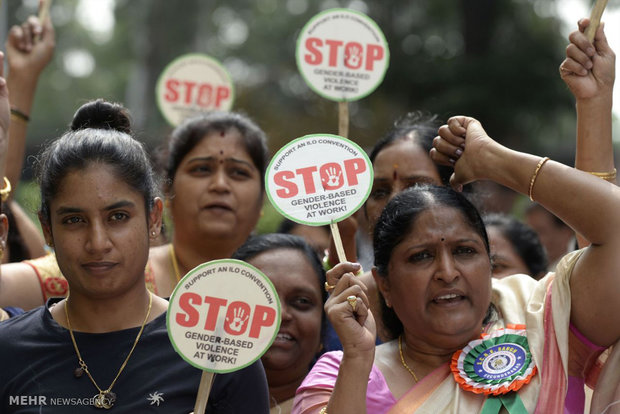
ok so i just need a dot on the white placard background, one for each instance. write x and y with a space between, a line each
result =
192 84
342 54
317 179
223 315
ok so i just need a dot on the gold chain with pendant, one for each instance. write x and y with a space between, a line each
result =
105 398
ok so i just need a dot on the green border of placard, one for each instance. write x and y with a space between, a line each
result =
305 137
372 23
160 80
197 269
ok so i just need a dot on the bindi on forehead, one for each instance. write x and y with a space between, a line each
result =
395 172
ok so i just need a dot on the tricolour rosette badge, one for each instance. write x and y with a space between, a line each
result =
342 54
319 179
223 315
496 365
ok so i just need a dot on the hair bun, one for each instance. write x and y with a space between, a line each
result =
101 114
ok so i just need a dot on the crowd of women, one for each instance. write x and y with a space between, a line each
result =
457 312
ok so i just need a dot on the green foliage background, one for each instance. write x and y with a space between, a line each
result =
495 60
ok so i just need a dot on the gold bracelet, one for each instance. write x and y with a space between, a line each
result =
6 191
323 410
16 113
535 175
607 176
15 118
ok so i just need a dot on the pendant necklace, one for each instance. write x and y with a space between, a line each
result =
105 398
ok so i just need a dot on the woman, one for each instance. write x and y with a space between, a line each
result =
434 273
106 344
515 247
400 160
296 273
214 168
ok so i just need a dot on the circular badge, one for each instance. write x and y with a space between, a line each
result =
496 364
500 361
192 84
342 54
317 179
223 315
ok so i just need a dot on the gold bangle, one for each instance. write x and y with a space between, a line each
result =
6 191
16 113
607 176
323 410
17 119
535 175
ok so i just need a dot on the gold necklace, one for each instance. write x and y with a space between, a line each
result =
276 405
402 358
175 264
105 398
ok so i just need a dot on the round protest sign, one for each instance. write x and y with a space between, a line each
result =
319 179
191 84
223 315
342 54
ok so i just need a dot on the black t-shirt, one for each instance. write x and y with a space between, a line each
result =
37 364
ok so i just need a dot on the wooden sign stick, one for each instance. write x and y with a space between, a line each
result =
342 257
595 18
44 12
343 131
343 119
206 380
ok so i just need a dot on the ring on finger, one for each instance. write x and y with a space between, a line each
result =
328 287
352 301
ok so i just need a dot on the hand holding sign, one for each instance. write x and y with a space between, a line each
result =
222 316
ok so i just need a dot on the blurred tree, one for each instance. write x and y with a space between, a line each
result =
493 59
